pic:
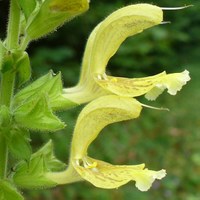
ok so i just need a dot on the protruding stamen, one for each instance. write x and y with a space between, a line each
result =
166 22
175 8
155 108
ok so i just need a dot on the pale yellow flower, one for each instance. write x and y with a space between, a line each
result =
93 118
103 44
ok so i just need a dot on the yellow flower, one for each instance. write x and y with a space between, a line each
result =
93 118
103 44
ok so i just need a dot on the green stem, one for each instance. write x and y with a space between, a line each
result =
13 25
8 79
7 83
3 156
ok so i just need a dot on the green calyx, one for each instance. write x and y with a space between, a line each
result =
32 174
49 85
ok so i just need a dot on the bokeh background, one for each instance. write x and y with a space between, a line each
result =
169 140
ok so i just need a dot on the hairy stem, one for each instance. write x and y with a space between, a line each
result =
7 83
3 156
13 25
8 79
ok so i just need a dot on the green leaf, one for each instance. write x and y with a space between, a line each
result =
27 7
23 67
8 192
33 173
36 114
18 141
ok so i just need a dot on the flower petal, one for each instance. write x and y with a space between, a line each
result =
106 38
105 175
173 83
98 114
152 86
128 87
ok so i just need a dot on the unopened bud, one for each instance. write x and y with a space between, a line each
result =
53 14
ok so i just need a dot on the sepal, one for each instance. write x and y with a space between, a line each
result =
18 61
10 59
49 84
32 174
36 114
23 67
18 141
32 89
52 163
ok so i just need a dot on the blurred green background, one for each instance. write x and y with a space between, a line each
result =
169 140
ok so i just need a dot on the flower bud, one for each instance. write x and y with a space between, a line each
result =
52 14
